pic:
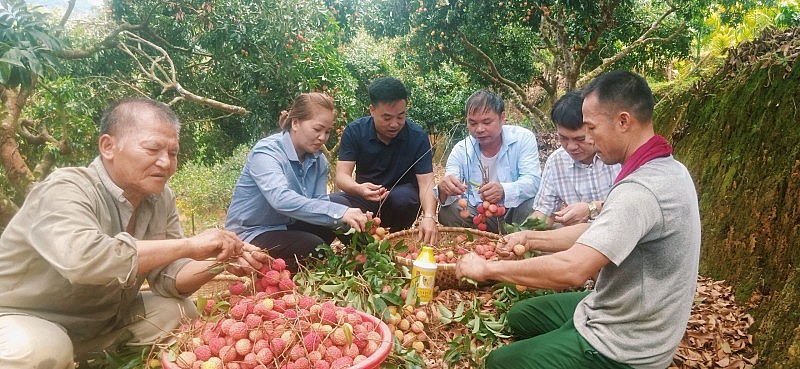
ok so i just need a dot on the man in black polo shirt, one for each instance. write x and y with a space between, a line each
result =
392 159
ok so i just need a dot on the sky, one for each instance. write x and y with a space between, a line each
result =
82 7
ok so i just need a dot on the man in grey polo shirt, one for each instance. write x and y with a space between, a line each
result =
645 244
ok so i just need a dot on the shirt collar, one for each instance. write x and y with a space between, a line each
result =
579 164
373 132
291 153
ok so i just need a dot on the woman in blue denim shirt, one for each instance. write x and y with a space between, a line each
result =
280 202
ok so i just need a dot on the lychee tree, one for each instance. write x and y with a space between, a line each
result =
537 49
259 53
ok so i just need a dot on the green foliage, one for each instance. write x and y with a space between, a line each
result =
25 44
497 30
530 224
70 109
257 54
344 276
381 18
204 191
487 328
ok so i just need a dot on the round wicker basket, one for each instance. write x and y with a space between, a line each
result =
445 273
218 287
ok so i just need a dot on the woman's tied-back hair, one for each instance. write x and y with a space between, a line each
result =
303 108
118 116
484 100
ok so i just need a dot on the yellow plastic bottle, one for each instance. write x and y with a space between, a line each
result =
423 274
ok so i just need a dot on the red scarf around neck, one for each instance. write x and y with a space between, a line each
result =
655 147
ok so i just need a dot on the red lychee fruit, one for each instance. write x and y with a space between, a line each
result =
238 330
202 353
279 264
271 278
237 288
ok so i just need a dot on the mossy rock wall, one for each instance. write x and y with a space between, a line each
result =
739 135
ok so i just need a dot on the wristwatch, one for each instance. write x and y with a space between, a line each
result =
593 211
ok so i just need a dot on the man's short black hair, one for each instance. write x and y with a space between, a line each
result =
623 90
387 90
483 100
567 112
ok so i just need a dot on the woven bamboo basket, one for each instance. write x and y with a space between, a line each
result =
445 273
217 288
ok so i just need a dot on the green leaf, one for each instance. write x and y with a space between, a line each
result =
459 310
331 288
392 298
446 316
476 324
470 236
216 270
494 325
348 333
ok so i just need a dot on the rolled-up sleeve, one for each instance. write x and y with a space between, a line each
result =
162 280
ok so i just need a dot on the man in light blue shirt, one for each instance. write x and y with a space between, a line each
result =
496 164
575 181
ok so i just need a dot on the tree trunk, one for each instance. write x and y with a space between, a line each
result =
7 210
19 175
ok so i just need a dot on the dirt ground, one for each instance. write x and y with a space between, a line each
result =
716 335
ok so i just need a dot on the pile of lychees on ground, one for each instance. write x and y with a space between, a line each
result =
275 327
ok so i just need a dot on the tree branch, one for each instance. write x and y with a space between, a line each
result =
67 13
7 209
152 65
519 94
108 42
643 39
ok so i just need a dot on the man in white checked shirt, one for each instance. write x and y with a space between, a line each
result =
575 182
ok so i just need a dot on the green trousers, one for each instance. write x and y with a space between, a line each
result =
547 338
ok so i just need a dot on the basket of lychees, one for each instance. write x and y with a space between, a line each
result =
271 325
453 242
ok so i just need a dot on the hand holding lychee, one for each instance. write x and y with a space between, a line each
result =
488 211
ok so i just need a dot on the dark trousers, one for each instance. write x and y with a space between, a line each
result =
398 211
547 338
296 243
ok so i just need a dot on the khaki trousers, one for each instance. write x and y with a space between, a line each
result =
29 342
